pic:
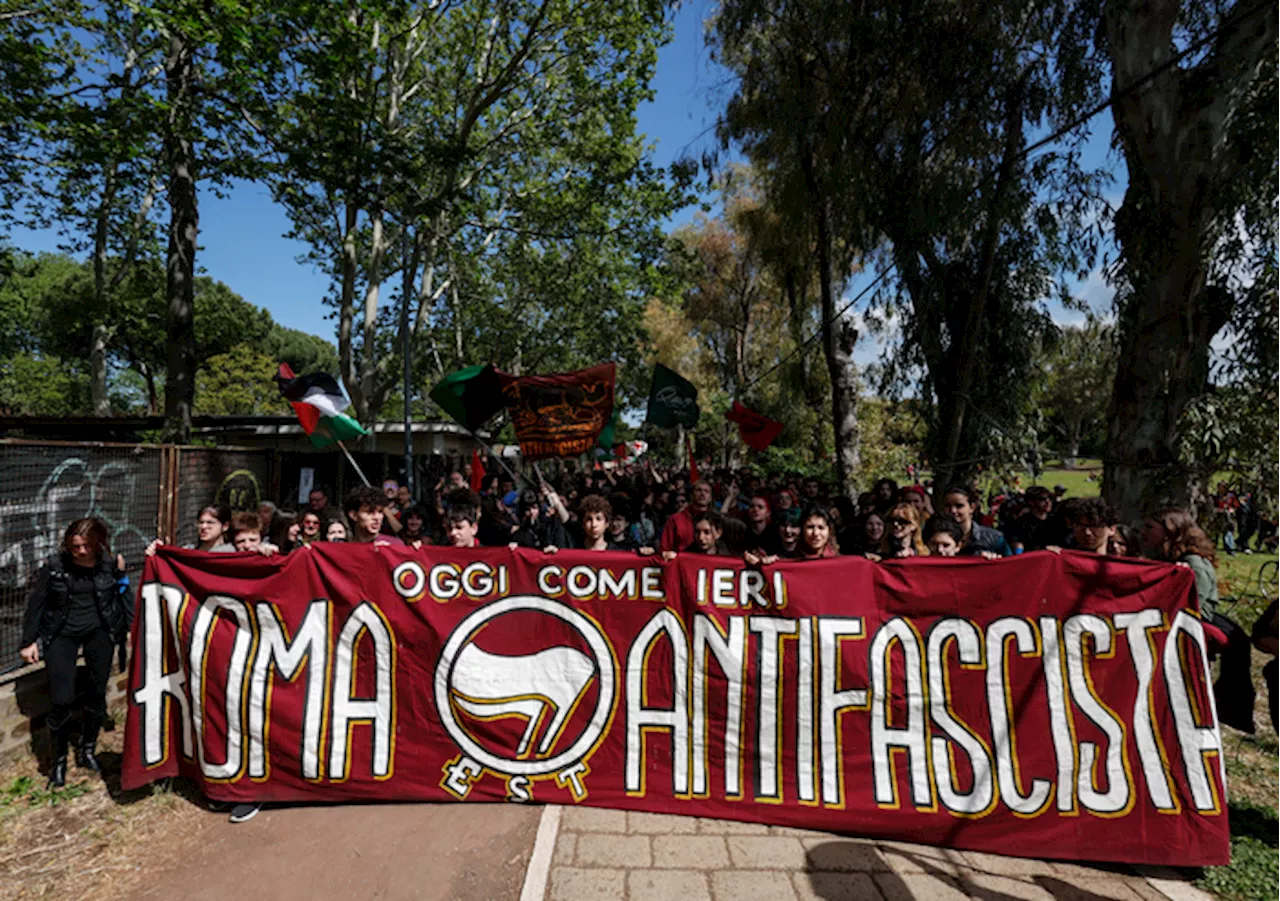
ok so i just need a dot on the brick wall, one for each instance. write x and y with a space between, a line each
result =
24 702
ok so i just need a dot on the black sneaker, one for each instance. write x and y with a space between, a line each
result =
242 813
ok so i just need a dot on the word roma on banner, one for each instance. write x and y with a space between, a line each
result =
1048 705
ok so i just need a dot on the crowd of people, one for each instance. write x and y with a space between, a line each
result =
82 603
1241 519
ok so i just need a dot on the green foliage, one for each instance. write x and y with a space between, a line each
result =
729 318
48 313
305 353
893 437
905 124
26 792
1077 375
33 385
238 382
490 162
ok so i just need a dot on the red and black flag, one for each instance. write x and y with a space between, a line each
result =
757 431
560 414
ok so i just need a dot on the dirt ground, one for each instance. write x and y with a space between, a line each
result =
91 842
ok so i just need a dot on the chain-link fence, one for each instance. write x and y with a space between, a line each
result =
139 491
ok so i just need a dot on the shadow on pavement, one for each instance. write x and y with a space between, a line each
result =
840 870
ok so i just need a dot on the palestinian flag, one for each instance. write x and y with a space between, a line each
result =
319 403
472 396
757 431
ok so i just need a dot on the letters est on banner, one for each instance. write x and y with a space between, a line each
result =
1046 705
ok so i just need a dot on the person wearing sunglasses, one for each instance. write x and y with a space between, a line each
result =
902 536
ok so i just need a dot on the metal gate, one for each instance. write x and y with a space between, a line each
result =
140 491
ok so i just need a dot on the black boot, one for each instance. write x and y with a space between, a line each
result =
58 771
86 751
1271 673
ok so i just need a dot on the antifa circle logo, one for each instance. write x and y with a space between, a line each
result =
680 403
545 687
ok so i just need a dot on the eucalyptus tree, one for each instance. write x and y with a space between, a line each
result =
1195 118
899 132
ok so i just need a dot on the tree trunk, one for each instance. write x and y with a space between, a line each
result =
964 347
179 389
838 339
153 399
367 404
346 302
795 284
101 334
98 370
1173 130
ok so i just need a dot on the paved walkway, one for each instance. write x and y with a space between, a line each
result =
389 852
609 855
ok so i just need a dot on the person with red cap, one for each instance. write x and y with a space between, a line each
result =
916 496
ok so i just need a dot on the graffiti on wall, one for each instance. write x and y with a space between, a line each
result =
31 527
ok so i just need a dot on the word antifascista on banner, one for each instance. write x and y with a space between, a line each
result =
989 705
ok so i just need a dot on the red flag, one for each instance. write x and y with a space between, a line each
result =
693 464
757 431
477 472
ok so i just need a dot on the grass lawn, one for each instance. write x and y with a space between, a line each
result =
1252 760
1076 481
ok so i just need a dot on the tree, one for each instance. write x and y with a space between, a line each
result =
35 64
731 321
486 156
48 304
1078 372
1197 224
105 157
239 382
305 353
901 128
785 114
37 385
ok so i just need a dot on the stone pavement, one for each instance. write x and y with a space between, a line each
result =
612 855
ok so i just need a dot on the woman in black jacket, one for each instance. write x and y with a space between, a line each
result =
77 603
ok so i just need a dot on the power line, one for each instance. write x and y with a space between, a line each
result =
1107 103
1159 70
807 341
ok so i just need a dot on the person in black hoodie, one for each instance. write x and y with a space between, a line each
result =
79 602
536 529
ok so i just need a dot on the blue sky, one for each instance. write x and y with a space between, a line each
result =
242 235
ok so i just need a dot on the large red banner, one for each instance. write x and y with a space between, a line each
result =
1046 705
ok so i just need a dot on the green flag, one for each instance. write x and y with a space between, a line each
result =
607 439
472 396
332 429
673 400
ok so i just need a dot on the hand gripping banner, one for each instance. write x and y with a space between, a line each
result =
1044 705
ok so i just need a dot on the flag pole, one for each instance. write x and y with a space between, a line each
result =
480 441
354 464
